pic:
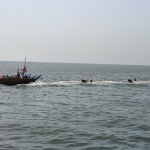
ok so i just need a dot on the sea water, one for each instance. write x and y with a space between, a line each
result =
59 112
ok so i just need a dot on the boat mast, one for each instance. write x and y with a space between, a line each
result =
24 66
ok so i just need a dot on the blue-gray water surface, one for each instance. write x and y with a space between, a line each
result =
59 112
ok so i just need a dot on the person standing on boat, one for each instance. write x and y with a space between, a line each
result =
90 80
18 73
23 71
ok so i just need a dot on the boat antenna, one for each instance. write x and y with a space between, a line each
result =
29 63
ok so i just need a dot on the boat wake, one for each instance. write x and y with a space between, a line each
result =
95 83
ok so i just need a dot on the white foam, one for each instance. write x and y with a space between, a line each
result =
69 83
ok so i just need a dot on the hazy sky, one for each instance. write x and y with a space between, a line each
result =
76 31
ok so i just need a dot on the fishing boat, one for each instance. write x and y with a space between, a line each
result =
21 78
15 80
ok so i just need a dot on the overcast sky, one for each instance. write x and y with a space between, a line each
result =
76 31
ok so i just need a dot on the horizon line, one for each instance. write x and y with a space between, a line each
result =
76 63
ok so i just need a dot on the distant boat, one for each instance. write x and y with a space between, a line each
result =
84 81
20 78
131 80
